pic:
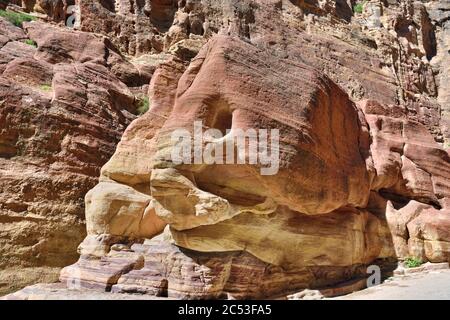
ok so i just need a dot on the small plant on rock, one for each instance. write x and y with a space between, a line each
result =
411 262
31 42
45 87
358 8
16 18
143 105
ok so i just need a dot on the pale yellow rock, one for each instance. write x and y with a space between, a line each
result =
291 239
399 218
437 251
416 249
180 203
419 230
97 245
117 209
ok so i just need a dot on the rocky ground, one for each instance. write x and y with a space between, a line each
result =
59 291
421 286
359 95
429 282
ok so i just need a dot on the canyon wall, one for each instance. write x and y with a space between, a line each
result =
359 99
62 112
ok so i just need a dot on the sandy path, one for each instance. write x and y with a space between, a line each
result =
434 285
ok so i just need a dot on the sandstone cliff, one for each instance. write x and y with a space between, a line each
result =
62 111
360 100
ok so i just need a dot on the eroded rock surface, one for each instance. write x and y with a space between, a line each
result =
359 100
291 220
62 111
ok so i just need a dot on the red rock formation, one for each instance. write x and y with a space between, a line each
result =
62 112
363 179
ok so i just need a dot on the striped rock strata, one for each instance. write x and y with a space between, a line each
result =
359 99
224 217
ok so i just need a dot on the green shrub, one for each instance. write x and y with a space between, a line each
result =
412 262
45 87
143 105
358 8
16 18
31 42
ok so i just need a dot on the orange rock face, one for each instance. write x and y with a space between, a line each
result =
377 159
62 112
362 174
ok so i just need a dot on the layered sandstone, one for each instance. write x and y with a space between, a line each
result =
391 158
62 112
358 99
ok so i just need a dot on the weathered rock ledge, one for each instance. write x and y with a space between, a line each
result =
359 100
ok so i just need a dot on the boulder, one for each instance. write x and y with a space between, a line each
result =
358 176
221 210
